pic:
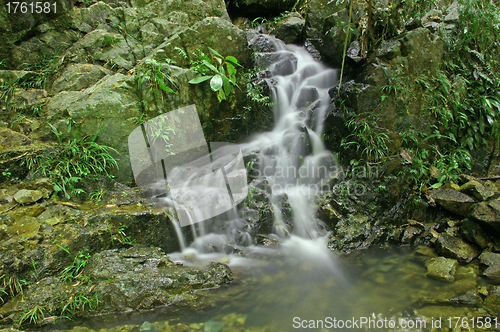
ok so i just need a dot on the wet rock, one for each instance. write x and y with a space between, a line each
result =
492 301
25 196
453 201
26 227
492 261
433 15
148 327
289 29
487 213
476 190
473 233
213 326
145 278
79 76
44 185
454 247
441 268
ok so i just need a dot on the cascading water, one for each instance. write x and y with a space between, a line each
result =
292 157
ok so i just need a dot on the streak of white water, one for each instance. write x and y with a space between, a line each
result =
299 87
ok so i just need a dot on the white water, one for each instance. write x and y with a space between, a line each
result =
292 158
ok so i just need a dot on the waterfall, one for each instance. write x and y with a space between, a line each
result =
291 157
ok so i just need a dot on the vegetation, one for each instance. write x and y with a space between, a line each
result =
221 71
459 104
73 158
75 269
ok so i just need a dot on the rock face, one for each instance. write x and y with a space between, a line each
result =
456 248
473 233
476 190
453 201
492 261
441 268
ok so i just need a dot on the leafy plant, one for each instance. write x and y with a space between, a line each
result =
123 235
34 315
79 302
110 41
158 75
221 71
75 269
97 195
71 160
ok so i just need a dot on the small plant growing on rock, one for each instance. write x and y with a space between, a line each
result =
221 71
34 315
71 160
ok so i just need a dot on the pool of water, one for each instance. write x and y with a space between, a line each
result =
302 286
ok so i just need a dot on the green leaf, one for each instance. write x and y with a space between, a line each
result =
215 52
216 83
209 65
220 95
226 85
481 125
200 79
233 60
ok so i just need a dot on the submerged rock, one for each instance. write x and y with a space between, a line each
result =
441 268
492 301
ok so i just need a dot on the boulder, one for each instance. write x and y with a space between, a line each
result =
25 196
289 29
487 213
79 76
473 233
441 268
456 248
492 261
453 201
492 301
476 190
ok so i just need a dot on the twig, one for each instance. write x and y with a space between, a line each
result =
491 178
72 205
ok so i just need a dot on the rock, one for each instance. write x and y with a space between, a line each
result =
213 326
148 327
79 76
433 15
106 46
453 200
454 247
423 49
25 196
492 301
473 233
110 107
476 190
145 277
289 29
27 227
453 13
487 213
441 268
389 49
492 261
